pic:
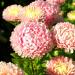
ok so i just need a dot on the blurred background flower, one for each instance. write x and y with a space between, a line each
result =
10 69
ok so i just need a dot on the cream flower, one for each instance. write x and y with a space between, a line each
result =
11 12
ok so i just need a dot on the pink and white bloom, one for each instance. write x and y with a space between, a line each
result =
31 39
11 12
9 69
64 34
60 66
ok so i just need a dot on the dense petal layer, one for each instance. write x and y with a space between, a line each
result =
64 34
31 39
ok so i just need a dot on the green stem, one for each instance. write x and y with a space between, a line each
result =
32 65
35 68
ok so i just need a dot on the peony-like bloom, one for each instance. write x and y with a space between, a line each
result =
31 39
71 15
64 34
9 69
11 12
60 66
40 11
59 2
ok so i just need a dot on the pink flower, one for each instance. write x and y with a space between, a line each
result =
64 34
60 66
31 39
56 1
9 69
11 12
40 11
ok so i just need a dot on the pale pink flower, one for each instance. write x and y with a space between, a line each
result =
31 39
60 66
64 34
11 12
9 69
41 11
59 2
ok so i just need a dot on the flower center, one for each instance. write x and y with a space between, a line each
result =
33 13
61 68
14 11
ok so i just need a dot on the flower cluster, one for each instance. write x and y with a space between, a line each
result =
36 11
9 69
40 30
32 36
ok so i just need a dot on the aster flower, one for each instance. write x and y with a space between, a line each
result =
59 2
60 66
11 12
31 39
9 69
71 15
40 11
64 34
